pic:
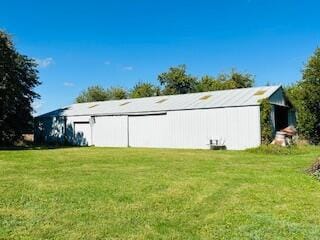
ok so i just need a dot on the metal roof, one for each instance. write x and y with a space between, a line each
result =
201 100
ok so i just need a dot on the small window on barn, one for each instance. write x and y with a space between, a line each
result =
162 100
260 92
123 104
94 105
205 97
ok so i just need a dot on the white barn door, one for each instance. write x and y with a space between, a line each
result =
82 133
110 131
148 131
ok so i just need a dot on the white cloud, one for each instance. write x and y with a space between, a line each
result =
68 84
45 62
127 68
107 62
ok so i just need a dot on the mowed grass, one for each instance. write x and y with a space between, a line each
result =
109 193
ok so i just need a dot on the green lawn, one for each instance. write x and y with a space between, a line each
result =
108 193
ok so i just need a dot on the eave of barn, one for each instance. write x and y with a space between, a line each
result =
193 101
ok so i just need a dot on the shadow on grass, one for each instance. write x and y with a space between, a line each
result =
34 147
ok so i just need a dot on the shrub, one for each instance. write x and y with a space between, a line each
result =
278 150
266 125
305 97
314 170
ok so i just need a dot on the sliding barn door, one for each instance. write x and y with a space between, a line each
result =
110 131
148 131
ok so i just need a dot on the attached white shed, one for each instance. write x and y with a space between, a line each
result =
231 117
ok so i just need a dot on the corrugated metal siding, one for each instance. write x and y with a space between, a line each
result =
82 134
149 131
278 98
50 130
238 127
292 120
110 131
72 137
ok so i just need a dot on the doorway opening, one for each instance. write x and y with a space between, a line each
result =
281 117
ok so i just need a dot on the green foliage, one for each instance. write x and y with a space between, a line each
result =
279 150
92 94
116 93
241 80
177 81
225 81
265 119
237 79
306 99
98 93
292 92
208 83
142 89
18 78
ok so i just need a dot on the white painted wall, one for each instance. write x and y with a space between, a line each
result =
73 119
110 131
78 126
149 131
50 130
82 134
238 127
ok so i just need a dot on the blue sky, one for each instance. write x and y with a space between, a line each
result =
118 43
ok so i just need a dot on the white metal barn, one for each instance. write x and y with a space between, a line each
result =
231 117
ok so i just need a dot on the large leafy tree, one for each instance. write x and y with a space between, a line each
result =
98 93
208 83
93 94
142 89
177 81
305 96
240 80
18 78
231 80
115 93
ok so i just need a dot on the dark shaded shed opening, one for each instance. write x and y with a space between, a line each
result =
281 117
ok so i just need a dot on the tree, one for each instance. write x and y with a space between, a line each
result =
174 81
240 80
225 81
177 81
144 90
115 93
98 93
208 83
18 78
93 94
306 99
